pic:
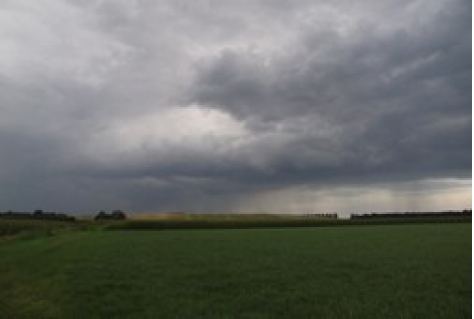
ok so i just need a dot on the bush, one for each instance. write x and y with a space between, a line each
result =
115 215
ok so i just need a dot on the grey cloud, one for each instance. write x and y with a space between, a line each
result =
401 95
150 104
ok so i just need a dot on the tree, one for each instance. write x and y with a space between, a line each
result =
101 215
118 214
115 215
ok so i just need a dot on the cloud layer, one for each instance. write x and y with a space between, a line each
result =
214 105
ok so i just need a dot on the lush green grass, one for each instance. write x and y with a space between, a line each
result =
398 271
27 228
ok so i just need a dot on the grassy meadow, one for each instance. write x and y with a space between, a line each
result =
391 271
236 221
28 228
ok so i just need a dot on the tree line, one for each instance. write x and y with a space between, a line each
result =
42 215
38 214
462 213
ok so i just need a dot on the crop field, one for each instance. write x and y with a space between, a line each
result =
231 221
32 228
383 271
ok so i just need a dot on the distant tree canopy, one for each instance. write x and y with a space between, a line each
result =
115 215
463 213
37 214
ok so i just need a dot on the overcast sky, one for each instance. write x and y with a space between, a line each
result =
235 106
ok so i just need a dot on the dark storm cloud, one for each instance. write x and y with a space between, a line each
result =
401 96
175 105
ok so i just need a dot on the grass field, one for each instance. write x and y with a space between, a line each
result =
235 221
35 228
396 271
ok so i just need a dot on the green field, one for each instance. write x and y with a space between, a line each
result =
394 271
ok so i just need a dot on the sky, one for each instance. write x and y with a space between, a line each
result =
280 106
